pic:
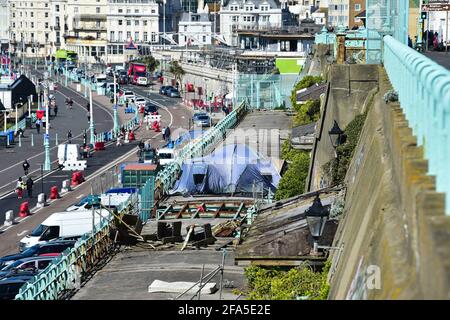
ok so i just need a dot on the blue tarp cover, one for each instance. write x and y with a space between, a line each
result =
234 168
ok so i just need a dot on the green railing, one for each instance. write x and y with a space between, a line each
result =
423 88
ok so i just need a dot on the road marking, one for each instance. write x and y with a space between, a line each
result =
8 227
183 117
22 233
80 196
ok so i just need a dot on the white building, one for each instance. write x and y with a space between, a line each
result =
4 24
31 25
250 15
437 24
195 29
338 11
86 29
131 19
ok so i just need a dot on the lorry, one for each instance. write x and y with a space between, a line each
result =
135 175
111 201
63 225
137 74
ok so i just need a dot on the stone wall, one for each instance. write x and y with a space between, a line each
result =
394 236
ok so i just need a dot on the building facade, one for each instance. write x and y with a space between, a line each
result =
131 19
356 9
4 24
251 15
338 11
195 29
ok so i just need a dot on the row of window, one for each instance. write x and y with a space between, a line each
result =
136 22
137 10
249 8
137 36
250 18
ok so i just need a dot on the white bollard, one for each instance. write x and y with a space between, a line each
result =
41 200
9 218
65 186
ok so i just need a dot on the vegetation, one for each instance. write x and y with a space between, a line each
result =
336 169
297 283
150 62
293 181
307 112
177 71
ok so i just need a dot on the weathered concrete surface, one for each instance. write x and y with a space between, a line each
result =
350 90
393 219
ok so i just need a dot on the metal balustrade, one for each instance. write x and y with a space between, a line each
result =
423 88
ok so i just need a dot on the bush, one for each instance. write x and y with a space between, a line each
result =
292 183
275 284
306 82
336 169
307 112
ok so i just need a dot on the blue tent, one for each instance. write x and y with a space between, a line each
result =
232 169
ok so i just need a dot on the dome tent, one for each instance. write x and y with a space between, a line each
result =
232 169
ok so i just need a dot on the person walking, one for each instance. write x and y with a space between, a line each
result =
25 166
168 133
19 188
29 185
69 136
38 126
55 110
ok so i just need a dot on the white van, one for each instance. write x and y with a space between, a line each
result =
68 152
165 155
110 201
67 225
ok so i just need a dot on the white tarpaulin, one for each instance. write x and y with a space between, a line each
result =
180 287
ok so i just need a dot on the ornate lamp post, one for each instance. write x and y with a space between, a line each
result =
91 111
316 217
47 163
116 116
335 134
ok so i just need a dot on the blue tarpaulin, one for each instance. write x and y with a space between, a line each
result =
234 168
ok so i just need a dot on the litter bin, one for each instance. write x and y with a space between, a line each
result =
3 141
11 136
28 122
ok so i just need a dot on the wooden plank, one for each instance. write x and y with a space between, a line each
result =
165 211
180 213
238 212
197 212
218 210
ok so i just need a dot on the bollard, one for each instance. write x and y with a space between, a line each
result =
75 180
24 209
32 140
65 186
56 138
9 218
41 200
20 140
54 193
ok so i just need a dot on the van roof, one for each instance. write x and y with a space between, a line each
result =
70 215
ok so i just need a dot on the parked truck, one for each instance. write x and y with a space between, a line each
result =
137 74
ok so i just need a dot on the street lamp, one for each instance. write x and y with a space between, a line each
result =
91 111
335 134
47 163
116 116
316 217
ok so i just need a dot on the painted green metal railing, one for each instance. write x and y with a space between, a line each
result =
423 87
167 177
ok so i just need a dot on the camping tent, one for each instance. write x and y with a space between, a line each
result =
232 169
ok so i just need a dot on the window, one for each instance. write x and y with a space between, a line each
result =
153 37
120 22
120 39
42 264
204 39
145 36
204 28
128 34
111 36
136 10
153 11
28 265
32 14
97 9
144 22
136 36
99 34
357 7
57 8
136 22
75 9
185 28
128 22
120 10
32 24
97 23
46 14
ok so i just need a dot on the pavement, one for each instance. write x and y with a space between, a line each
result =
442 58
172 114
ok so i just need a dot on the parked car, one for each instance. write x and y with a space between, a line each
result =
35 264
129 95
150 108
173 93
198 114
202 120
140 102
164 89
36 250
109 71
9 287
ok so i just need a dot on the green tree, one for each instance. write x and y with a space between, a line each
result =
293 181
307 112
150 62
177 71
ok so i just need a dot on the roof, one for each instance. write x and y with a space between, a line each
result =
311 93
21 89
140 166
304 130
280 231
362 14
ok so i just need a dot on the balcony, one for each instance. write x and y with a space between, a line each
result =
90 17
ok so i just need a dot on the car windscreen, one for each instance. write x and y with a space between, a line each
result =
31 251
38 231
203 118
165 155
15 264
141 74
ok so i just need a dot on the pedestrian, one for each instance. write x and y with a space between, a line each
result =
88 106
29 185
25 166
435 41
164 133
119 141
19 188
38 126
168 133
84 138
69 136
141 145
55 110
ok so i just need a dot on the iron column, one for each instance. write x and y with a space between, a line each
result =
91 111
116 115
47 163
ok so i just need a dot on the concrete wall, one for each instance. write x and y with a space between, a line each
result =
350 89
393 233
